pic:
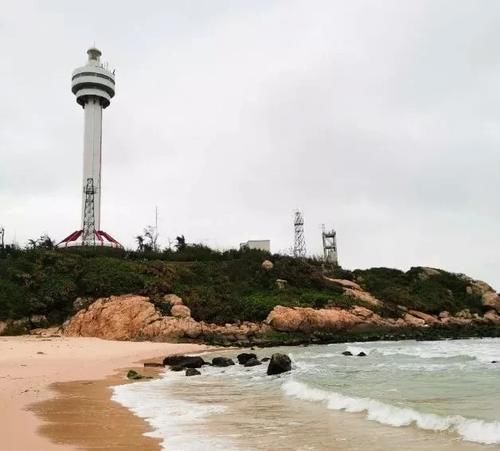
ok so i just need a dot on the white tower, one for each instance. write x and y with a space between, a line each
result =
94 87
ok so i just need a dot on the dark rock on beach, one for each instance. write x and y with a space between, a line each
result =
153 365
279 363
222 361
244 357
177 368
347 353
361 354
184 361
252 362
265 359
192 372
134 375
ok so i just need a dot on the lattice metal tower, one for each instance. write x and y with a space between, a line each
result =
88 235
299 248
330 246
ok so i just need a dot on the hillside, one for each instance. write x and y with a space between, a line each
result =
39 287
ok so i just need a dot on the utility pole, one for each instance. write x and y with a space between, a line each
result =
155 243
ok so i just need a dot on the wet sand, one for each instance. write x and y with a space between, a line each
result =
82 414
29 366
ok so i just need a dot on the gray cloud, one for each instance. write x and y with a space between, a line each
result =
378 117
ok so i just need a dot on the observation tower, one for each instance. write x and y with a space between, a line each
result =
94 87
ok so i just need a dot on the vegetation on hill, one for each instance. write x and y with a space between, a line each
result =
218 286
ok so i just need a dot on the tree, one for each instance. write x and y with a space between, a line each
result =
181 243
148 241
44 242
151 236
140 243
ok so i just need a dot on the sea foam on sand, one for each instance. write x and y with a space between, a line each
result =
176 422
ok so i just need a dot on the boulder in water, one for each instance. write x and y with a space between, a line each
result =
222 361
192 372
361 354
252 362
244 357
184 361
347 353
265 359
279 363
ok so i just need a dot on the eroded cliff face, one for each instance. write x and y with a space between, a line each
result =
132 317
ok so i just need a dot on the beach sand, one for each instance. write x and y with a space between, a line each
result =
78 373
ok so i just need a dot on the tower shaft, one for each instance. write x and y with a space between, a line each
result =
92 158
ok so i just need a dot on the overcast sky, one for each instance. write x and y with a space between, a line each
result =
380 118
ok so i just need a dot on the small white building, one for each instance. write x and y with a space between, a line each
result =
263 245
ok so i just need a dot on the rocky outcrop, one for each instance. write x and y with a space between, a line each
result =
492 317
132 317
180 311
489 297
343 283
279 363
491 300
426 273
306 320
353 290
116 318
430 320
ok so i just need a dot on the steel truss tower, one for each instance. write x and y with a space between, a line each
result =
88 235
330 246
299 248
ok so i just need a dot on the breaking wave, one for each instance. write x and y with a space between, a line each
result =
472 430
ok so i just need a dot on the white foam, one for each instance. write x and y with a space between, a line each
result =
176 422
484 350
472 430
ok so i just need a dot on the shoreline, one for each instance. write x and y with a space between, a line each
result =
30 365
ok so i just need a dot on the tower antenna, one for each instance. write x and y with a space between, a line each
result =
299 248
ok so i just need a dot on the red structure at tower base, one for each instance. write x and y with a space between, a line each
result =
102 239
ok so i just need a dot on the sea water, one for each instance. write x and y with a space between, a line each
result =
436 395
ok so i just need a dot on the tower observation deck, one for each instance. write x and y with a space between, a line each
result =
93 86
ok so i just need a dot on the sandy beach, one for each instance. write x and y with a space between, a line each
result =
30 366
